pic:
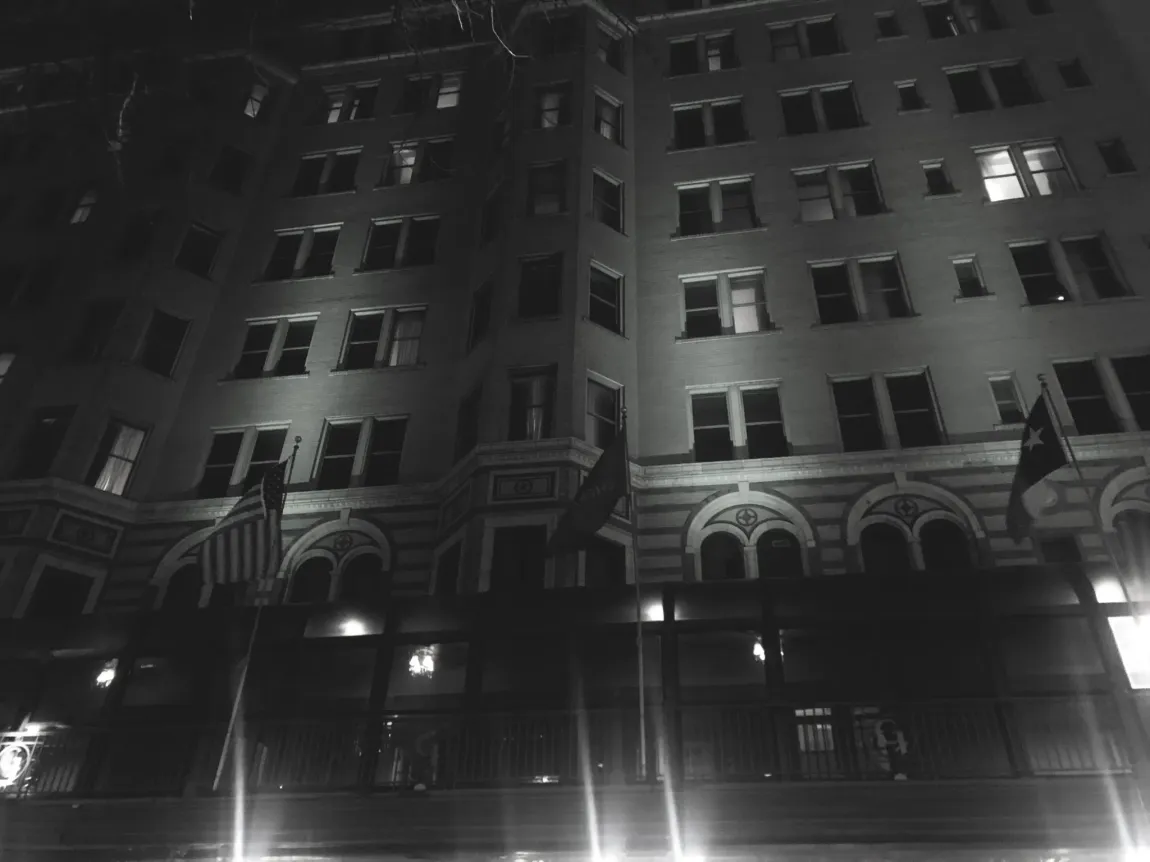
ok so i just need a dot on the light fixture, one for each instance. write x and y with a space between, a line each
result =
107 674
422 662
653 611
757 650
352 628
15 758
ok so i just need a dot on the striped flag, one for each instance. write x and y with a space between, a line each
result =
245 545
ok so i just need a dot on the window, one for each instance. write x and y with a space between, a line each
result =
198 251
981 88
805 39
304 253
448 93
518 558
1091 266
480 319
857 412
713 53
162 342
420 91
1006 400
726 303
401 242
887 25
720 52
386 338
540 280
532 404
1045 171
684 57
969 277
607 201
255 449
116 458
609 49
814 189
361 452
1036 269
937 179
883 290
608 119
343 104
552 106
605 298
547 189
909 98
833 293
1115 156
257 101
603 404
880 293
96 330
821 109
711 426
969 91
915 415
1133 373
42 442
6 360
1073 74
848 190
325 173
467 423
84 207
709 124
275 348
763 417
230 170
725 205
491 218
955 17
1082 388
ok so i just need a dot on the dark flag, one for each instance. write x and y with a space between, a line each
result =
1041 454
608 480
246 545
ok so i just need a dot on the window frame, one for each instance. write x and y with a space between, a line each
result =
619 305
932 408
599 123
878 411
601 206
241 467
590 418
557 169
1024 174
276 347
838 195
1009 378
703 54
350 107
815 96
991 88
715 201
105 453
362 455
401 257
323 183
547 376
802 42
725 310
707 112
972 261
1119 154
564 92
217 237
858 293
940 166
1104 394
389 318
303 253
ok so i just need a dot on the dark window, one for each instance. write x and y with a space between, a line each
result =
602 419
738 206
915 418
363 340
552 106
341 176
712 427
311 583
254 353
605 298
840 108
1013 85
888 25
437 160
415 96
945 547
861 196
970 282
883 288
763 417
338 459
909 98
833 294
532 405
721 558
604 564
607 201
690 131
1086 398
230 169
1073 74
701 299
799 114
609 49
1115 156
467 423
1036 270
382 245
321 253
266 454
198 251
941 21
1006 401
608 119
785 43
1090 265
814 191
221 463
720 52
540 280
937 179
59 593
281 264
480 321
970 93
518 558
42 442
547 189
823 38
727 118
684 58
422 239
447 570
384 451
297 343
695 211
1133 374
162 342
884 550
858 415
779 555
96 330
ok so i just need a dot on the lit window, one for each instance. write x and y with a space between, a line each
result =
257 100
449 87
552 106
1006 400
608 120
6 360
1133 640
1000 175
969 277
84 207
117 457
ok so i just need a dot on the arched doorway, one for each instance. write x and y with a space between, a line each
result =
884 550
779 555
945 547
311 582
363 580
722 558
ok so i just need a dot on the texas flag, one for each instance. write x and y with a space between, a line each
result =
1041 455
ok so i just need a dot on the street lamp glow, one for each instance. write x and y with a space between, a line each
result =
107 674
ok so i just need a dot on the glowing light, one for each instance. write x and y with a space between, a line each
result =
422 662
1133 640
352 628
15 758
1108 589
33 728
694 857
545 779
1138 854
107 674
653 611
607 857
758 651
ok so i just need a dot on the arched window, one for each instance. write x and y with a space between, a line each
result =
363 580
184 588
311 583
884 550
945 547
780 555
1134 539
59 593
722 558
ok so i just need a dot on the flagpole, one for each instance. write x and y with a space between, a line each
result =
247 661
638 603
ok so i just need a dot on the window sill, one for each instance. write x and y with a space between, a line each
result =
1131 297
904 111
848 324
726 336
673 149
542 318
891 38
785 136
342 371
269 376
1132 173
309 197
980 298
758 228
605 328
1009 426
413 183
955 194
1031 306
293 279
361 271
671 76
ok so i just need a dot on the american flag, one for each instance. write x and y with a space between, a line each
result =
245 545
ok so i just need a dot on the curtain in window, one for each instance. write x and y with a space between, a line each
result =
405 342
121 459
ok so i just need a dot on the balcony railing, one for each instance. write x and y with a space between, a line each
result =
801 742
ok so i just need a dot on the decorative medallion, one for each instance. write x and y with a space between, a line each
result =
906 508
343 543
747 517
514 487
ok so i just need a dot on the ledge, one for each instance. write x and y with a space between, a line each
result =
955 194
985 296
293 279
706 147
847 324
227 380
677 238
726 336
312 197
338 372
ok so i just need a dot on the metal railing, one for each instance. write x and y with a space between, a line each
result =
764 742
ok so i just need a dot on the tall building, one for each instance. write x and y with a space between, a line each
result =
813 258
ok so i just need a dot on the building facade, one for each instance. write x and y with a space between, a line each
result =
812 256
